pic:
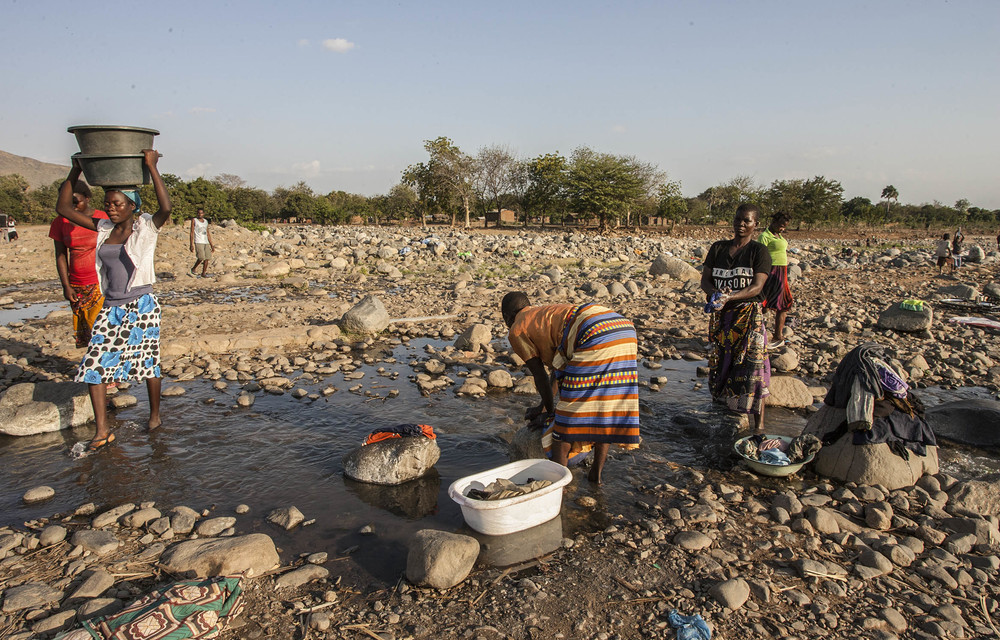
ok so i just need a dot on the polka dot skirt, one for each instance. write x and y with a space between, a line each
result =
125 344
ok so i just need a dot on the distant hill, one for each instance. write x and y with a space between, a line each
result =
37 173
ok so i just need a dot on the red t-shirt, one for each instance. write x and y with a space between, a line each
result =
82 245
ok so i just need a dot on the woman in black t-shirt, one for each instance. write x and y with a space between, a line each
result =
733 280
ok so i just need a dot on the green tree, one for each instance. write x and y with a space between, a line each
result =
859 209
545 193
890 195
671 205
494 173
452 172
13 198
603 185
400 203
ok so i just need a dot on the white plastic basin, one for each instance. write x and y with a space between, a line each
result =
500 517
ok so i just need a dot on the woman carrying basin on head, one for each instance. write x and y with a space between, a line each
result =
126 335
733 280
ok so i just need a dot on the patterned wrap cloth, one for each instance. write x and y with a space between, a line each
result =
739 369
598 380
125 344
86 305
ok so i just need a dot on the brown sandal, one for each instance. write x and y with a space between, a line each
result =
100 443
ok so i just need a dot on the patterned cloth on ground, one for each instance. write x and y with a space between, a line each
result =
400 431
739 369
125 344
194 609
598 380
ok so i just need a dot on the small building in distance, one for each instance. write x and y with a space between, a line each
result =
505 216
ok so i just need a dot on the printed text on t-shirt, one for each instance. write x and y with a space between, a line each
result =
734 279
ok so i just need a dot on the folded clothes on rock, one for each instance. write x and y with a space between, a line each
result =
400 431
503 488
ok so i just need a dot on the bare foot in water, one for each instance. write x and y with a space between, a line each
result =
153 423
594 475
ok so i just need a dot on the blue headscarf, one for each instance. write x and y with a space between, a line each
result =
133 195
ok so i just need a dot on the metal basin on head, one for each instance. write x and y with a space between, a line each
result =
125 170
112 139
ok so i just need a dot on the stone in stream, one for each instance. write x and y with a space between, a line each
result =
391 462
52 534
123 400
30 408
474 338
286 517
140 518
214 526
439 559
38 494
254 553
173 391
500 379
111 516
971 422
367 317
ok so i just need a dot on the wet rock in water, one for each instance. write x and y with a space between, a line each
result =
30 408
500 378
97 542
392 462
29 596
123 400
111 516
140 518
899 319
301 576
175 390
245 399
474 338
38 494
673 267
868 464
214 526
967 421
526 444
254 553
731 593
183 519
286 517
790 392
367 317
440 560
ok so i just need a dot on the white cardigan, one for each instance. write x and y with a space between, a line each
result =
139 247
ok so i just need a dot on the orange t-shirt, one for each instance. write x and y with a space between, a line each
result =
538 331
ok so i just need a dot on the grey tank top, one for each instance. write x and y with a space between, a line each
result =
117 269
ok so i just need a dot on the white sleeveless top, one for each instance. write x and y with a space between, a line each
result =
200 231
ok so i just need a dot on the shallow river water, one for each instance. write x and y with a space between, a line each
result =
211 454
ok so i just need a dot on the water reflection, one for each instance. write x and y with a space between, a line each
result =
513 548
413 500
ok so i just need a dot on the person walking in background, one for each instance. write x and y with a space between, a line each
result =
125 343
943 252
75 249
11 229
957 246
777 292
201 243
733 278
592 352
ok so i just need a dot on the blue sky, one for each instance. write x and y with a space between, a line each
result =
343 94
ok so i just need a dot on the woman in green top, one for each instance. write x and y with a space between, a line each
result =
777 293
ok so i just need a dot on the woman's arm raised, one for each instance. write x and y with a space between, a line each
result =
160 217
64 203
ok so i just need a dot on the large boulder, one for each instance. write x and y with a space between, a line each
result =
967 421
439 559
899 319
205 558
790 392
673 267
868 464
392 462
976 254
40 407
368 316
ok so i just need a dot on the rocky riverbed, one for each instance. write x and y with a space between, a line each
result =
757 558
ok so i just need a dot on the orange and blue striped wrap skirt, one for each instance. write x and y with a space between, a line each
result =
598 379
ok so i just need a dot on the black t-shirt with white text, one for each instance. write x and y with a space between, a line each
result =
736 272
